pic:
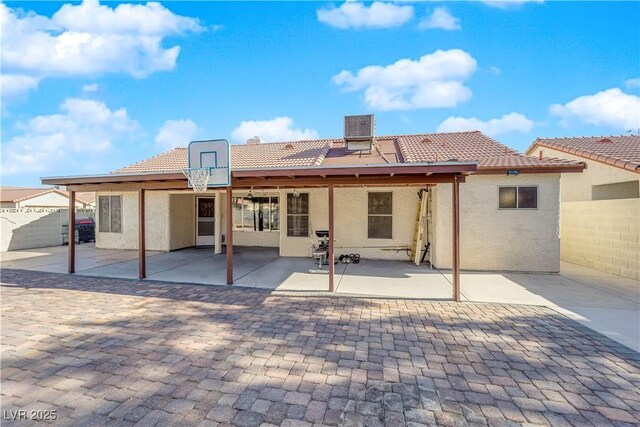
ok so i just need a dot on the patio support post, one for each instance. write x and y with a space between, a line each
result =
217 207
455 225
229 236
331 238
142 256
71 235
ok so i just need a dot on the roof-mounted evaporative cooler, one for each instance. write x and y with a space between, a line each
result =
358 132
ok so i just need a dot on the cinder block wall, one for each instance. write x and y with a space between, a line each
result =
602 234
28 229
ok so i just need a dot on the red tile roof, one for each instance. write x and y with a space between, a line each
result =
421 148
278 154
620 151
470 146
18 194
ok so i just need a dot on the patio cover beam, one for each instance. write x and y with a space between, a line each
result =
71 235
142 256
386 180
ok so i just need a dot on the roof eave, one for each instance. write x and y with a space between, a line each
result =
490 170
405 169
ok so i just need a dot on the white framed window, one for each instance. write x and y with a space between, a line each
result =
518 197
110 211
380 215
256 213
298 215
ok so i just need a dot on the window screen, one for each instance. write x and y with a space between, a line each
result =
508 196
110 211
380 220
298 215
518 197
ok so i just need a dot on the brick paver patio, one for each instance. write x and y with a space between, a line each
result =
109 351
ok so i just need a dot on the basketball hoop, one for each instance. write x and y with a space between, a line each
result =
198 178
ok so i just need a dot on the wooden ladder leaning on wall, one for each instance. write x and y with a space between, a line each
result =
418 235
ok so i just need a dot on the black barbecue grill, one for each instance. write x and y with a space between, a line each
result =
85 231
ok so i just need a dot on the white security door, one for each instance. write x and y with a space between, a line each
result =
205 221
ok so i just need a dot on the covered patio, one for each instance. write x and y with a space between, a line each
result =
244 268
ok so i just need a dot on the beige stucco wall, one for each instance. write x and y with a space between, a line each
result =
491 239
351 223
182 216
499 239
603 234
156 222
577 186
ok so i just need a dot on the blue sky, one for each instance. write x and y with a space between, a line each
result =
88 88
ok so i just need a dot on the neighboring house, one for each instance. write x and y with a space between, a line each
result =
600 208
24 197
509 207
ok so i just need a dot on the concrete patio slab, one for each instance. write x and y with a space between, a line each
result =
290 274
394 279
606 303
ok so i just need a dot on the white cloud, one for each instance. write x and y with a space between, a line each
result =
93 87
440 18
505 4
512 122
176 133
90 39
352 14
435 80
14 85
84 130
611 107
494 70
633 83
276 130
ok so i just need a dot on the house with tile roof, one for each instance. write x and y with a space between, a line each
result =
24 197
500 206
600 209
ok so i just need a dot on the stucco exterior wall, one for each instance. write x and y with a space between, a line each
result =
182 214
499 239
156 222
350 216
603 234
577 186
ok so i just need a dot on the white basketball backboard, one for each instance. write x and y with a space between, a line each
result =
214 155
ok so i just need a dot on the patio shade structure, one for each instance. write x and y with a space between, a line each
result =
329 177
